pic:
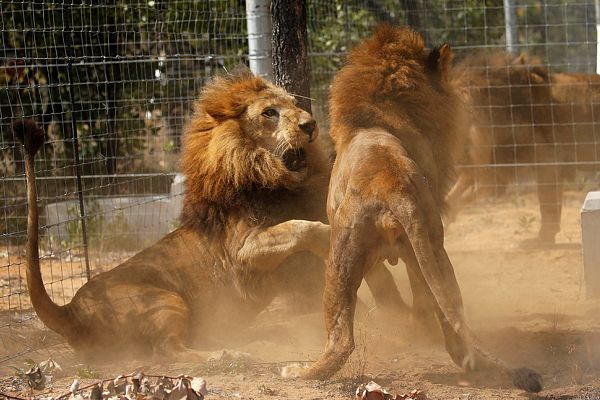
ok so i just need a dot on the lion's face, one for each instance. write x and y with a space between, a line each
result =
246 134
276 123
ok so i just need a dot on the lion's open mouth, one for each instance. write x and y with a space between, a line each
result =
294 159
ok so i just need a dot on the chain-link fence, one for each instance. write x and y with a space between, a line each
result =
112 82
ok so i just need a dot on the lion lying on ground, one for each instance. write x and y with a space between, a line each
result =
518 125
396 126
251 229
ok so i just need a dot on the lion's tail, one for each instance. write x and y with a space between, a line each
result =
439 275
55 317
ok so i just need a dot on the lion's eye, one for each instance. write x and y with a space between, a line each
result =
270 112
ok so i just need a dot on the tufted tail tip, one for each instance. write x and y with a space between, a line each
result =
527 379
29 134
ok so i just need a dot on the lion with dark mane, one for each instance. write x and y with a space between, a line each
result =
253 166
395 121
519 125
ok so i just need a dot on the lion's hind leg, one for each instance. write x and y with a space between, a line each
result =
384 290
459 196
550 194
166 325
352 254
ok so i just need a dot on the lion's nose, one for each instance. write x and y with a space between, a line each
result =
308 127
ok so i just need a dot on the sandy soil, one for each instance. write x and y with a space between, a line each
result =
528 306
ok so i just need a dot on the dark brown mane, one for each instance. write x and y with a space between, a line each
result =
392 82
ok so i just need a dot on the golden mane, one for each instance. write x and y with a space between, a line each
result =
223 165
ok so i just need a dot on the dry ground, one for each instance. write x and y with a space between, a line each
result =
528 306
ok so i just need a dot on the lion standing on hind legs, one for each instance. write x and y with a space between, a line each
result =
252 164
395 122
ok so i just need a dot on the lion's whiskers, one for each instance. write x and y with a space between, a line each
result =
282 146
297 145
303 97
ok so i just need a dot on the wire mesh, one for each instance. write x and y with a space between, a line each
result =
117 78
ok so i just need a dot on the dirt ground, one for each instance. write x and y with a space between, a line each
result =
528 306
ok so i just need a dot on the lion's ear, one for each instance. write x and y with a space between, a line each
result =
439 61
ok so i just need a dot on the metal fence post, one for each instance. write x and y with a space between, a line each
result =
75 143
258 18
510 25
597 6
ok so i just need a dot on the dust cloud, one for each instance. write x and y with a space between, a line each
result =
528 306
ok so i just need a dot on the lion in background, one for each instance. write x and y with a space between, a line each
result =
577 101
252 162
396 124
525 119
515 126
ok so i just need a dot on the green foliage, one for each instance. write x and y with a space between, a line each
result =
119 59
556 31
108 64
333 28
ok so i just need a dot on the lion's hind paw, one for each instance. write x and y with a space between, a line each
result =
527 379
295 370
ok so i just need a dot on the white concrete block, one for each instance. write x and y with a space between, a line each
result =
177 190
590 240
116 223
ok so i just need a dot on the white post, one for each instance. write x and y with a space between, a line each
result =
258 17
590 241
598 36
510 26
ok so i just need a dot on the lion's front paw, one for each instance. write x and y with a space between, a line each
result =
295 370
319 239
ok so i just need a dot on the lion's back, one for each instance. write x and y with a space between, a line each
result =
386 85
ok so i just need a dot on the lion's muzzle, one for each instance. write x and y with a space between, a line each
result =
310 129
